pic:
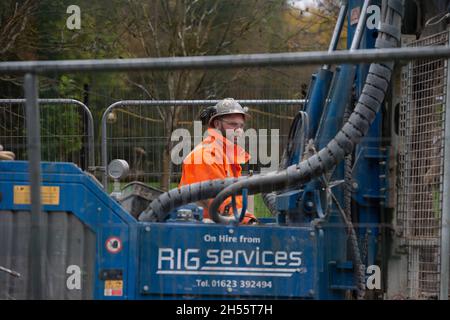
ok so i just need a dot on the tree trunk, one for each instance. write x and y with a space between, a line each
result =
165 177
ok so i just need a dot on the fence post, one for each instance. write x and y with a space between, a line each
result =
445 222
34 166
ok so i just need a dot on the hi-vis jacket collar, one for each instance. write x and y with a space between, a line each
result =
217 149
235 154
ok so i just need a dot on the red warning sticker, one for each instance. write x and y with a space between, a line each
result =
113 245
113 288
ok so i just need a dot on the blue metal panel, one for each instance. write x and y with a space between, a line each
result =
341 276
320 86
186 259
85 199
289 200
333 114
316 99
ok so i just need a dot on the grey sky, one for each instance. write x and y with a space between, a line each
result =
302 4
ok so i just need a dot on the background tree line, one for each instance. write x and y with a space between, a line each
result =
36 30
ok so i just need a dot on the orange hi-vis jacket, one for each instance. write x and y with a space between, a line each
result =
215 157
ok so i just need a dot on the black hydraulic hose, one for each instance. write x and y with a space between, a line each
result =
355 253
352 132
159 208
360 274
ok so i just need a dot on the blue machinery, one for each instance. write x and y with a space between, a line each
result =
310 251
163 260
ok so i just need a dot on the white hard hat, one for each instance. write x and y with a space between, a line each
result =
228 106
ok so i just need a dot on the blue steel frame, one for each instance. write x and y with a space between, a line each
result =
369 171
309 201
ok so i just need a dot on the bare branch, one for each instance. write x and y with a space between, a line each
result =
165 6
182 32
153 30
15 25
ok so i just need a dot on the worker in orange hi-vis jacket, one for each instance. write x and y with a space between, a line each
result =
219 156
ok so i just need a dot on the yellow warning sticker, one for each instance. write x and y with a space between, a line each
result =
49 195
113 288
113 284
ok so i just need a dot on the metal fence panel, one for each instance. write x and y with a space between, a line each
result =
136 132
67 130
421 167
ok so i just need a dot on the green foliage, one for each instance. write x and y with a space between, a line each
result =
60 132
98 38
261 211
61 126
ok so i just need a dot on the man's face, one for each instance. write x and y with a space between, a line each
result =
231 126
